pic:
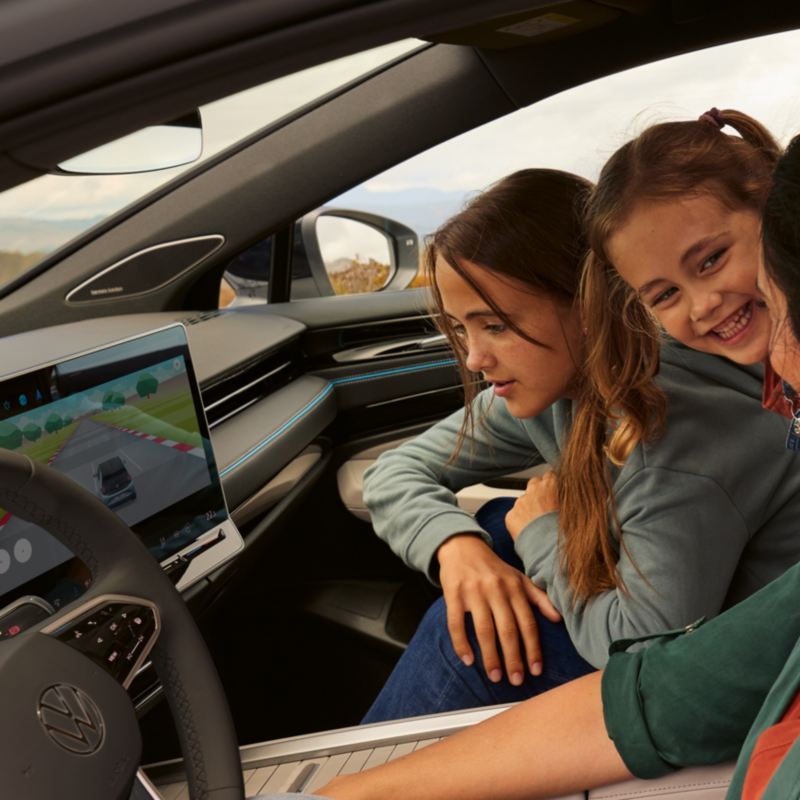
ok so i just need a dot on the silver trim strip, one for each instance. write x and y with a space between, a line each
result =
398 347
28 600
377 321
146 785
237 410
218 237
247 386
105 599
451 388
210 559
343 740
149 698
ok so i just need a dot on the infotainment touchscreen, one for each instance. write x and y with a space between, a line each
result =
126 423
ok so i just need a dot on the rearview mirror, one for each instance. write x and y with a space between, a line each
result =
171 144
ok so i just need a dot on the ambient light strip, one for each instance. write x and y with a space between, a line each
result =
312 404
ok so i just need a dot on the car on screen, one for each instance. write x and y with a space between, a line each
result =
113 483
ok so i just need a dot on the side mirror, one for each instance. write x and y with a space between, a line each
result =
352 252
171 144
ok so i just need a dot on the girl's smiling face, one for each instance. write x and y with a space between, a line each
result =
528 374
693 263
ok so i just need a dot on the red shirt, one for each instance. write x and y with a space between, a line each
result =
772 397
770 749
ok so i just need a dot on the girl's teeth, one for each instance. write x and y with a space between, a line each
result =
737 324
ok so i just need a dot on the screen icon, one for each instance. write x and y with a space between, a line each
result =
23 400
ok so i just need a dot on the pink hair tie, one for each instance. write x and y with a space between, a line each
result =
713 117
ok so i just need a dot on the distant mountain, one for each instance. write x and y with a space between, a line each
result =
422 209
23 235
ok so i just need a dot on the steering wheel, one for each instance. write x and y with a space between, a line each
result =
68 725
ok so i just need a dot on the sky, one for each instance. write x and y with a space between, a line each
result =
575 130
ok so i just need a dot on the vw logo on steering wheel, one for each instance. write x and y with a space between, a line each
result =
71 719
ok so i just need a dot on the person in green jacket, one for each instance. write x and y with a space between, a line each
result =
689 534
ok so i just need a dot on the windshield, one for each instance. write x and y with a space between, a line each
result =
46 213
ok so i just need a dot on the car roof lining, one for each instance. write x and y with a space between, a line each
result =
152 74
86 93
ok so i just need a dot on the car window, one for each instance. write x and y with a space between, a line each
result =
576 130
42 215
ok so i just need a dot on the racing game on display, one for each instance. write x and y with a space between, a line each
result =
125 423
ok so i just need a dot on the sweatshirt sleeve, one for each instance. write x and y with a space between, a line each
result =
690 700
410 490
682 540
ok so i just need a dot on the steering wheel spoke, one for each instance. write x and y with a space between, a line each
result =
116 632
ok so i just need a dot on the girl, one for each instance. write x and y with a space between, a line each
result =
505 275
676 215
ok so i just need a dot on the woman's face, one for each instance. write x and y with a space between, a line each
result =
784 350
528 376
693 262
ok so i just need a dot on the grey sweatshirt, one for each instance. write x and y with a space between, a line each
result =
709 513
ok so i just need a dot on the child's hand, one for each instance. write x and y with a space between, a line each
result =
540 497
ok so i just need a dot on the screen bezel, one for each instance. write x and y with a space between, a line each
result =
150 529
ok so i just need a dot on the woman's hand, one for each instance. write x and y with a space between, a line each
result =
499 597
540 498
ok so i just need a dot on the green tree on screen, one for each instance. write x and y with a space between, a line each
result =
32 432
112 400
53 423
10 436
146 385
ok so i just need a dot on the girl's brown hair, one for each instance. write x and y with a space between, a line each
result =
624 407
529 227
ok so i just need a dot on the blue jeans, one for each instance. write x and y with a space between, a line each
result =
430 678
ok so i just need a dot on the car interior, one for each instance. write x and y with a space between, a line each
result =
292 385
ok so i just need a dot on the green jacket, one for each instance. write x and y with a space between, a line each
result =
705 696
700 532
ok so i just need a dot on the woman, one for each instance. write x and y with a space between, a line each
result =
682 499
703 696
